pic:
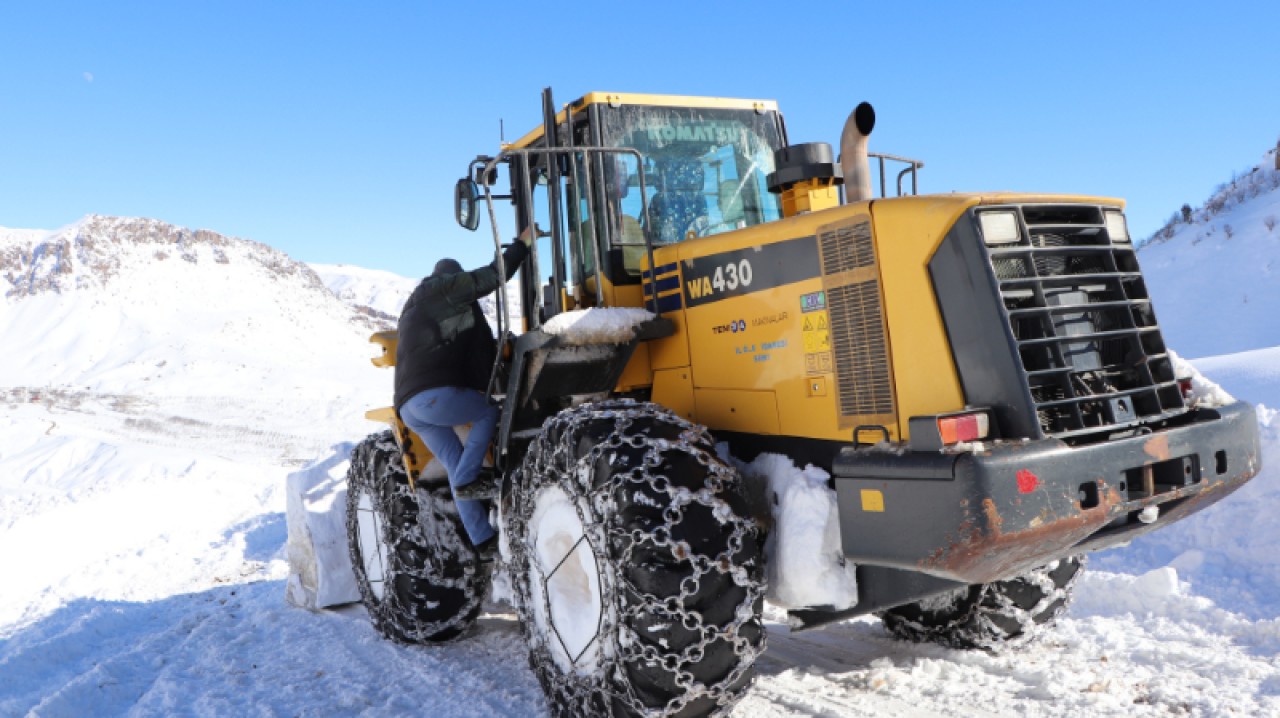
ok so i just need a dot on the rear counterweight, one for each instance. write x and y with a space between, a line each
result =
1008 507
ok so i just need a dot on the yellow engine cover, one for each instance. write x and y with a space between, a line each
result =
810 326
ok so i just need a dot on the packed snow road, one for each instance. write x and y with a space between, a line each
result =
238 650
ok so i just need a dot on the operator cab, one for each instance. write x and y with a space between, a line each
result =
612 176
705 170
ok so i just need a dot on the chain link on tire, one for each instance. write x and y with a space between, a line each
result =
990 616
678 564
423 581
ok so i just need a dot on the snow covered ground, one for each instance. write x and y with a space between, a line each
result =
148 422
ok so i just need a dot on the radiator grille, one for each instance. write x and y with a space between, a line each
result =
1091 351
864 382
861 357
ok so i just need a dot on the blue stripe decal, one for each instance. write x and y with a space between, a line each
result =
662 269
671 302
665 284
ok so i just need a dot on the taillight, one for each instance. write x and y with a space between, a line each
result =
1185 386
963 427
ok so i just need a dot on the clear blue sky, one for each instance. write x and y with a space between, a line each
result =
335 131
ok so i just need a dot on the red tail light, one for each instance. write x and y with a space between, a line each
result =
963 427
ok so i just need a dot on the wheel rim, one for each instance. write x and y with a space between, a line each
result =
373 551
564 583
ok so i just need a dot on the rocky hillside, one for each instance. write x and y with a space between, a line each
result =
97 250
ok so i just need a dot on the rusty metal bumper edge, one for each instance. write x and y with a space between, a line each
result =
991 515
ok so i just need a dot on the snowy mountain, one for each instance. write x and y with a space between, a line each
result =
160 384
375 289
130 305
1215 276
381 295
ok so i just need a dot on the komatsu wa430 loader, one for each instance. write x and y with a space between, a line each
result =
981 374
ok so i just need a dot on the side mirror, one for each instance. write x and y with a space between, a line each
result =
464 204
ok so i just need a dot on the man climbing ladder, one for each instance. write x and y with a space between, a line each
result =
443 359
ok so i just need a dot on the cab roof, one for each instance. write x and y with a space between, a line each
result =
618 99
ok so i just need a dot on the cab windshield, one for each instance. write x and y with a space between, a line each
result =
704 171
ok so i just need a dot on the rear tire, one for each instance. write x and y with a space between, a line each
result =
418 574
990 616
638 577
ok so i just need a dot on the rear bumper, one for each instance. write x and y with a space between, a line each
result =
981 517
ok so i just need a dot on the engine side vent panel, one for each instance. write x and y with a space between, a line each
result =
859 338
846 247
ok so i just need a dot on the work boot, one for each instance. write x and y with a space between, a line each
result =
484 486
487 550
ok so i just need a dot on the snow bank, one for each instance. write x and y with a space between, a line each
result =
1204 393
1253 375
806 566
599 325
320 573
1158 591
1161 597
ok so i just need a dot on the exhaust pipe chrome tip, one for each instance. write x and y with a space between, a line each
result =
853 152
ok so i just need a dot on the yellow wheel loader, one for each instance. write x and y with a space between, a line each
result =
981 375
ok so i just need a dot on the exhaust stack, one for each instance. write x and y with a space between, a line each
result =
853 153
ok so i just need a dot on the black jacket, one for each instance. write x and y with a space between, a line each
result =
444 337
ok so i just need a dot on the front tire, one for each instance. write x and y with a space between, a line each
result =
638 577
990 616
418 574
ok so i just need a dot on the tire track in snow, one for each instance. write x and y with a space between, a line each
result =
827 672
240 650
218 425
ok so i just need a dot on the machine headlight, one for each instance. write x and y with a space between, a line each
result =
1117 228
999 227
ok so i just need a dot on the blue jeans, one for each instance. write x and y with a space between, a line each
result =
432 414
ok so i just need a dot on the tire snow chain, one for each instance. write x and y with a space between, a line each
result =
555 456
991 636
427 499
992 600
